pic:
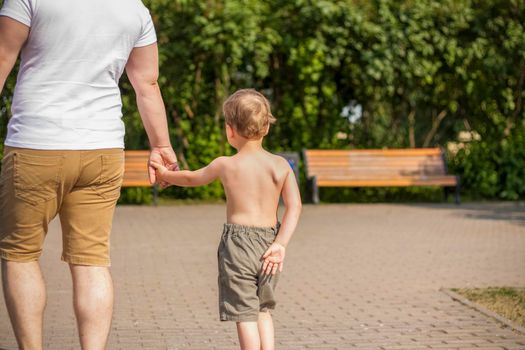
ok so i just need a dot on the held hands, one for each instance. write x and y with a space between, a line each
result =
160 171
274 259
165 157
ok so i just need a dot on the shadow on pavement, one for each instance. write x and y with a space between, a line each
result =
500 211
511 214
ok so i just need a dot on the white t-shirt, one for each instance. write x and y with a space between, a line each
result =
67 95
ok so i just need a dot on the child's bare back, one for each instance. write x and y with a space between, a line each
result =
253 181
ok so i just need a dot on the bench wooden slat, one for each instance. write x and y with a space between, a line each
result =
330 166
381 159
378 173
335 165
387 182
136 183
136 169
383 152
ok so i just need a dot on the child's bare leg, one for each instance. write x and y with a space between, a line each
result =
248 335
265 325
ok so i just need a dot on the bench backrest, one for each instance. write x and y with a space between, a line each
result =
375 163
136 169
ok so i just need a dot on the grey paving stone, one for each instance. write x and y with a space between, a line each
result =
356 277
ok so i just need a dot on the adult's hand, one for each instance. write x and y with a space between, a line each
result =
164 156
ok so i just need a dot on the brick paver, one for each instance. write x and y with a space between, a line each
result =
356 277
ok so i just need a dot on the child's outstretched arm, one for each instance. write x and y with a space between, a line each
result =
187 178
274 256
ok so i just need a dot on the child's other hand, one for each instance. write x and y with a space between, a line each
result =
274 259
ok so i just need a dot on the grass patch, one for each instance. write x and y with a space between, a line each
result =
505 301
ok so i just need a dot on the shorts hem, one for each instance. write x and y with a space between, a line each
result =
18 258
86 262
266 309
240 318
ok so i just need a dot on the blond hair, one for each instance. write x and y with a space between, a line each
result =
249 113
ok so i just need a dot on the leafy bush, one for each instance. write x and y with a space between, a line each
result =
421 72
493 169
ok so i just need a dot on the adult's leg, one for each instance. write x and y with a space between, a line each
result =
27 205
25 298
266 331
93 304
248 336
86 216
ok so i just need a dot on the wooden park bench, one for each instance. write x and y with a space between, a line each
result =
136 172
378 168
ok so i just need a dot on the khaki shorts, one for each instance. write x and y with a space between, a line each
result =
82 187
244 290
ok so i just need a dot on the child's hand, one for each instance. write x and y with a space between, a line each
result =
273 259
160 169
173 167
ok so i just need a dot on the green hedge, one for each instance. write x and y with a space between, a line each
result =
494 169
422 71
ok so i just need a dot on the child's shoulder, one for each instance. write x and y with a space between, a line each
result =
221 159
220 162
278 162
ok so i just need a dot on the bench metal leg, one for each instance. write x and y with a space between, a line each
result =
155 195
314 190
457 195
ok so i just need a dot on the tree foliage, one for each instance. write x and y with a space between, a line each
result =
421 70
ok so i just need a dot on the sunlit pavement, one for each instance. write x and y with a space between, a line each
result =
356 277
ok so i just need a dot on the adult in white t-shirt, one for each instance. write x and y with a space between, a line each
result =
64 147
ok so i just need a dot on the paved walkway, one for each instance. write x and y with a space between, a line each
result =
356 277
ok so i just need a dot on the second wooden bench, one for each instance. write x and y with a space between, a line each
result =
378 168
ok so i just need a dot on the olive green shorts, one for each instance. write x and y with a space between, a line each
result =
244 290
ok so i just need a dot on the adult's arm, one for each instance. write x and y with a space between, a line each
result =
143 72
13 35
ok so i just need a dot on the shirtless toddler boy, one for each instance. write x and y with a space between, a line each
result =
253 244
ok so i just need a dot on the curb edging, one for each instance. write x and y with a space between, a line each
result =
461 299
